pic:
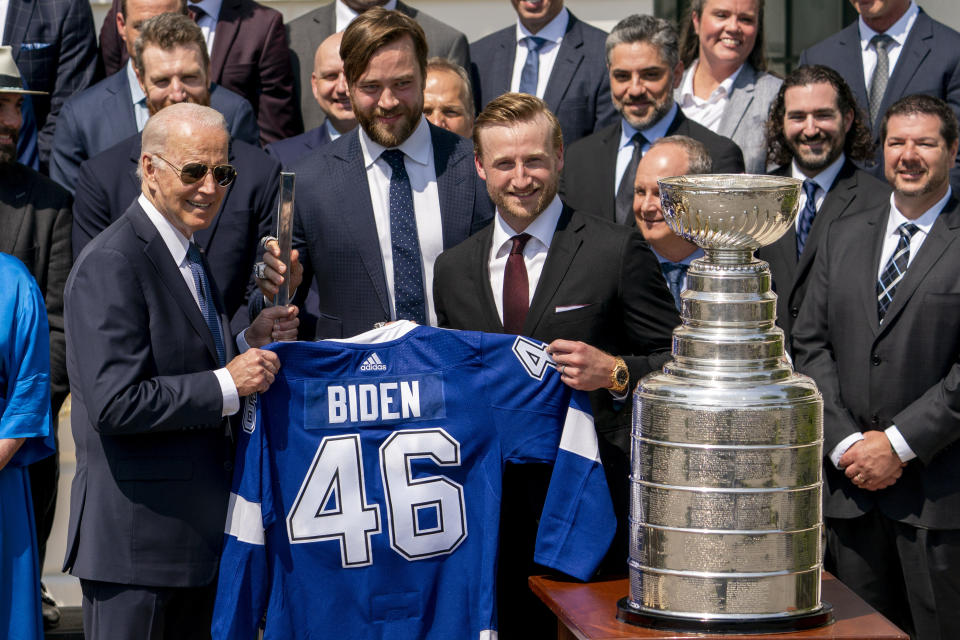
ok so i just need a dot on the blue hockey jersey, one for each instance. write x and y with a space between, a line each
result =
366 496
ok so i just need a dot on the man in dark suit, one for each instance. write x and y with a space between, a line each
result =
55 48
247 46
35 227
551 54
590 288
330 90
84 131
448 98
410 188
644 67
878 334
307 32
893 50
155 376
816 133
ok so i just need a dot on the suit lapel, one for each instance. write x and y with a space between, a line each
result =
501 67
915 50
563 247
13 200
606 167
868 255
19 14
228 24
480 275
849 63
741 95
452 186
835 203
568 60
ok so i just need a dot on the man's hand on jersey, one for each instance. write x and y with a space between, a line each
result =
871 463
274 269
273 324
253 371
581 366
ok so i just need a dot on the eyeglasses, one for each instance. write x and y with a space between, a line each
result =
193 172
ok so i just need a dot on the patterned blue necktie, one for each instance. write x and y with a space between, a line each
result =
806 215
409 299
205 295
530 74
895 270
674 274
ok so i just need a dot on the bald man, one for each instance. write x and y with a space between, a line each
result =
447 98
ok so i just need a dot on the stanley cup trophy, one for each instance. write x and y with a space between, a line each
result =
725 522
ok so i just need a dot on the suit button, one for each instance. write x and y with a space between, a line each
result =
228 466
794 311
875 420
875 360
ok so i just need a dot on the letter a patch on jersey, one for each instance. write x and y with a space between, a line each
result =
533 356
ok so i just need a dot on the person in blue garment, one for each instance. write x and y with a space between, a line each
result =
25 437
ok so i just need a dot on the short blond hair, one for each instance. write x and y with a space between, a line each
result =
511 108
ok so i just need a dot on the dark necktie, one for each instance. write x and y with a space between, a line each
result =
878 83
806 215
205 297
530 74
625 189
674 274
895 270
409 300
516 287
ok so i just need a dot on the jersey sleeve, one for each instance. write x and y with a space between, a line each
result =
243 582
540 419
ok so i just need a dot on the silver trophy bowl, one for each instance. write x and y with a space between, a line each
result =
725 521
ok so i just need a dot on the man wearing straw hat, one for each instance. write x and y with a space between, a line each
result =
35 227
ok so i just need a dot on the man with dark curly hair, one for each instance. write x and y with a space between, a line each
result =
815 133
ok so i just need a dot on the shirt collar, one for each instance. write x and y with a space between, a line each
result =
345 14
686 85
898 31
417 147
136 92
825 178
552 31
332 132
542 228
211 7
176 242
654 132
697 253
924 222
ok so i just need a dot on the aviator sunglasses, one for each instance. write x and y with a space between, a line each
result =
193 172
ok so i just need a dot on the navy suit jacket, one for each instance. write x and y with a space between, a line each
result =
929 64
102 116
578 91
55 49
588 183
292 149
335 231
150 494
108 184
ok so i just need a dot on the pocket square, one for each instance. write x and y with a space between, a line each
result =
33 46
570 307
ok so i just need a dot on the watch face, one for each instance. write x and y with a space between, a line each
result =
622 374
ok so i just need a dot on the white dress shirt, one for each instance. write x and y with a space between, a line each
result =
652 133
331 130
898 31
707 112
535 251
139 98
177 245
552 32
824 180
419 162
890 240
208 22
697 253
345 15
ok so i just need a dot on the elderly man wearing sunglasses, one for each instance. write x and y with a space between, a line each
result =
156 377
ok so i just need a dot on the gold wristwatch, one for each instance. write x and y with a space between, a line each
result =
620 376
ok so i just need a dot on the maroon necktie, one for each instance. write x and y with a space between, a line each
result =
516 287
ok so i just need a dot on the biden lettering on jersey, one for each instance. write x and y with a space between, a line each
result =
381 400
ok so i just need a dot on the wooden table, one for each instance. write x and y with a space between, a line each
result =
588 611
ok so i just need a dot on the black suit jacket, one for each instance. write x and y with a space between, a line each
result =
853 191
588 183
292 149
35 227
150 494
56 51
905 372
335 231
108 184
578 91
928 64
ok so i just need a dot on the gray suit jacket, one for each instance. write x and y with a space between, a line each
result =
904 372
745 117
307 32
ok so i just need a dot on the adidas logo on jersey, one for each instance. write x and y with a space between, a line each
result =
373 363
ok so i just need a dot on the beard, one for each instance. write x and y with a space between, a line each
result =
660 109
8 152
503 203
202 100
384 135
833 147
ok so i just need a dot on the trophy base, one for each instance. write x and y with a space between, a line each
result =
741 626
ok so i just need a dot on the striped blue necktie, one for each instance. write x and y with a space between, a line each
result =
896 268
205 296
